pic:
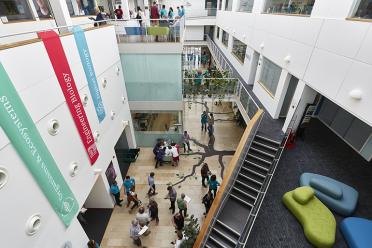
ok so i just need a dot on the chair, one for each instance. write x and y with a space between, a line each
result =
336 195
316 219
357 232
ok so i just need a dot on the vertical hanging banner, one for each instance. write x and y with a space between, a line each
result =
62 70
25 138
90 74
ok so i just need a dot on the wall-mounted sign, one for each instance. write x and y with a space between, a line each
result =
25 138
90 74
62 70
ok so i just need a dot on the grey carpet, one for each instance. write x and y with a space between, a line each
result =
321 152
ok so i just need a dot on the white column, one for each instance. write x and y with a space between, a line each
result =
33 10
61 14
125 8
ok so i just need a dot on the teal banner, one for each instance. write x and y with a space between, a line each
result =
25 138
90 74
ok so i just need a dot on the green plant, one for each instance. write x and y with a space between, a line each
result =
190 231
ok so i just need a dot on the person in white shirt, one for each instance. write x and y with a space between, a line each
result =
143 219
175 155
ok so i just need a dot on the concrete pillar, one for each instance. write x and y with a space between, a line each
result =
61 14
125 8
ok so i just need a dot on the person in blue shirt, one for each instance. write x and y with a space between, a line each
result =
163 12
170 15
182 11
128 183
116 193
179 11
213 185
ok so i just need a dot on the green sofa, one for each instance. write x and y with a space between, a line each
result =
317 220
158 31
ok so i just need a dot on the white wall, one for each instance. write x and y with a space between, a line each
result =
332 56
39 89
194 33
99 196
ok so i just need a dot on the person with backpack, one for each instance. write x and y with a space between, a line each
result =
182 205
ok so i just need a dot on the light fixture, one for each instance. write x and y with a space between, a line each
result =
125 123
287 58
262 45
112 114
53 126
97 171
3 177
73 169
104 82
117 70
356 94
96 136
85 99
33 224
123 99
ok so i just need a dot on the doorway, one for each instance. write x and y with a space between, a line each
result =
120 150
288 97
253 68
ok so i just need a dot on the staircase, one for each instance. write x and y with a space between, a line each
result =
244 192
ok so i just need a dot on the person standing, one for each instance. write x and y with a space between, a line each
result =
115 191
182 205
175 155
159 157
154 211
143 217
128 184
211 124
186 141
140 15
154 13
132 197
179 11
163 12
213 185
204 171
182 11
151 182
207 201
119 13
179 241
178 222
204 120
170 15
134 233
172 196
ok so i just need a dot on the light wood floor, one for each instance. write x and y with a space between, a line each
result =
227 135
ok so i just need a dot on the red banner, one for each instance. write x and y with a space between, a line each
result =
62 70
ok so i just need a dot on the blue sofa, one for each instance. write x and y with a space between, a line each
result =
357 232
336 195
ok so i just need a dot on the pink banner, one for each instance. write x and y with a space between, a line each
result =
62 70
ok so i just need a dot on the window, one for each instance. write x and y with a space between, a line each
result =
364 9
43 9
301 7
270 74
218 33
225 38
228 5
78 7
15 10
239 49
246 5
219 4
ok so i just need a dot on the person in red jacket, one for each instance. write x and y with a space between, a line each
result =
154 13
119 13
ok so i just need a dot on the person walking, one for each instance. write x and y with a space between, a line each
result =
119 13
213 185
151 182
178 222
204 120
128 184
143 219
182 205
134 233
204 171
132 197
186 141
207 201
154 211
210 124
115 191
172 196
175 155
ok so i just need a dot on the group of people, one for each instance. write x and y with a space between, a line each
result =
207 122
155 13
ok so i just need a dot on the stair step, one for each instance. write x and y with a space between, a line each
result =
245 193
228 228
219 243
241 200
253 172
250 179
224 235
264 145
262 152
247 186
257 165
274 142
258 158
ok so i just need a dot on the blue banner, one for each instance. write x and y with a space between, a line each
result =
90 74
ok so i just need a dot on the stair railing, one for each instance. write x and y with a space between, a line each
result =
229 179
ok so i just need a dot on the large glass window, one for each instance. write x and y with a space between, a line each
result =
239 49
81 7
218 33
15 10
246 5
270 74
228 5
225 38
364 9
162 121
301 7
43 9
219 4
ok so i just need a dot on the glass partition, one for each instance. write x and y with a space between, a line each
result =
225 38
228 5
78 7
246 5
43 9
270 75
301 7
364 9
12 10
239 49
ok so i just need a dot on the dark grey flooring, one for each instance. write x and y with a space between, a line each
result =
97 220
321 152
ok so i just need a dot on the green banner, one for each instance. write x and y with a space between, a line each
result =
25 138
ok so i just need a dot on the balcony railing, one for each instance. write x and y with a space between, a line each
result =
201 13
210 87
149 30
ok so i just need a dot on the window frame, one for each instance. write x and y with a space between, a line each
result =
239 7
227 5
228 37
267 88
265 10
354 10
30 10
241 60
